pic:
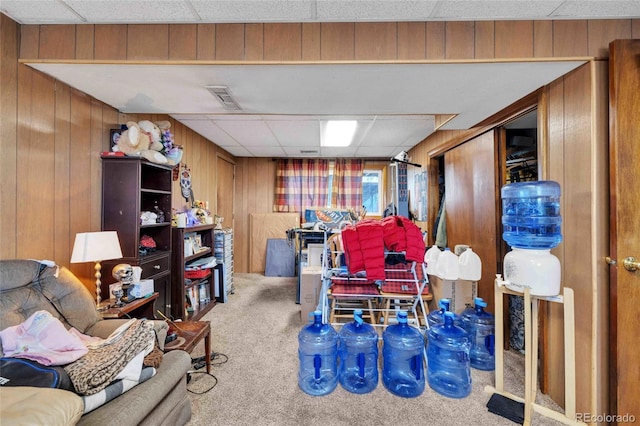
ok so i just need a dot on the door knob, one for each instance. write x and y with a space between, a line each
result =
631 264
610 261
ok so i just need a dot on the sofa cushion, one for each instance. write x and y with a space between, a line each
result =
25 405
28 286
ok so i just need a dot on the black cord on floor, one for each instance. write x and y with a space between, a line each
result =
200 362
190 380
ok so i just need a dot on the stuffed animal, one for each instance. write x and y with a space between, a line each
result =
169 149
135 142
155 134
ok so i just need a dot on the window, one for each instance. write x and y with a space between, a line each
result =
372 191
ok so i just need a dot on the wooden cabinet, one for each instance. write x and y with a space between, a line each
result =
192 291
131 186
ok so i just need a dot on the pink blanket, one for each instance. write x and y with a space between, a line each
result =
43 338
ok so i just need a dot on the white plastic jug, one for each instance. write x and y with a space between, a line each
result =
470 265
537 269
431 259
447 267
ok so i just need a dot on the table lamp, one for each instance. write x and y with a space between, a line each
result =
96 247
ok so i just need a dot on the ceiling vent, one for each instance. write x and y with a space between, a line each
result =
223 95
308 151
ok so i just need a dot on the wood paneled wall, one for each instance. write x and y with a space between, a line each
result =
345 41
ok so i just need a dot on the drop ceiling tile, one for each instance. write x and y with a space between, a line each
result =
349 151
208 130
473 9
266 151
296 133
251 11
302 151
132 11
39 11
598 9
377 151
249 133
382 10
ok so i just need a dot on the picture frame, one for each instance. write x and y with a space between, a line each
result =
114 135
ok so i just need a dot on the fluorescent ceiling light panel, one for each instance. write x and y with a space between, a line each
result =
339 133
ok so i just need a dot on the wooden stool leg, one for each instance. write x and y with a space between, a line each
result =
372 315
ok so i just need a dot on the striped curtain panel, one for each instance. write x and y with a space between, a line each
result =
346 192
301 184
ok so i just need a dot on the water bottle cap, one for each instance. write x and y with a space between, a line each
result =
447 249
481 304
478 300
402 317
357 316
444 303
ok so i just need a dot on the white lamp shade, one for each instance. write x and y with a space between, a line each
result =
96 247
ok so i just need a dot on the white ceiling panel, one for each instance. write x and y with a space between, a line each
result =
598 9
373 10
44 12
211 130
251 11
134 11
385 151
267 151
250 133
400 98
471 9
333 152
295 132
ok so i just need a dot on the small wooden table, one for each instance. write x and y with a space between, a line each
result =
139 308
192 332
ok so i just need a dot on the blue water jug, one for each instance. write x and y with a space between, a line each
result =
402 359
531 214
318 354
449 370
437 315
358 355
480 325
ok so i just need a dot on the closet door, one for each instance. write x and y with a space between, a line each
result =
472 204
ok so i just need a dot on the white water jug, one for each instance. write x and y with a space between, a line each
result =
447 267
470 265
431 259
537 269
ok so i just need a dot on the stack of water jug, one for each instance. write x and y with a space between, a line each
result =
350 357
531 226
455 344
449 266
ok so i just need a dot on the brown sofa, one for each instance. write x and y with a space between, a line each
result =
27 286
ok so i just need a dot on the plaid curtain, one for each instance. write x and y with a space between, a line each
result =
346 192
300 184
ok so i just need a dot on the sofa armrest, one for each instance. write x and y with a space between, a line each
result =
105 327
25 405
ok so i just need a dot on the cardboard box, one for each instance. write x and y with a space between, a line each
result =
310 288
314 254
461 293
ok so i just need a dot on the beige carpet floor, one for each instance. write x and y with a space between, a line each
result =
257 330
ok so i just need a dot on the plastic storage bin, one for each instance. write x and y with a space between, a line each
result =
449 371
531 214
480 325
318 355
402 359
358 355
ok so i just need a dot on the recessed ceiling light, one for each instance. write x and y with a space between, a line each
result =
338 133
